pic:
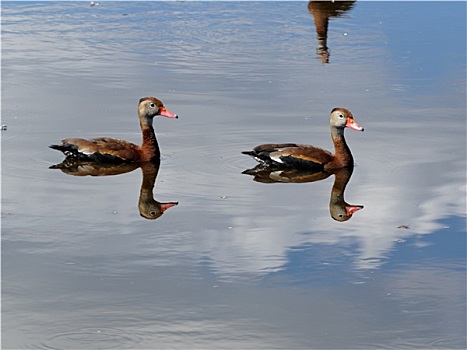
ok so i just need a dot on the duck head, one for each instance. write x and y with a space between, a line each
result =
149 107
342 118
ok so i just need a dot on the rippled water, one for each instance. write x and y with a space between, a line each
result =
237 263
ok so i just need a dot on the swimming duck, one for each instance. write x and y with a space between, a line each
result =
110 150
292 155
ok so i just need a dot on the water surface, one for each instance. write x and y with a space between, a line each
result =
237 263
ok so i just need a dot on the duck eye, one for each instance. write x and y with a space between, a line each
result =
341 215
341 115
152 105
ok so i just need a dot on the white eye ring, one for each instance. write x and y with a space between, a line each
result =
341 116
152 105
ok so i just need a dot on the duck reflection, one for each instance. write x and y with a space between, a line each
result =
339 209
321 12
149 208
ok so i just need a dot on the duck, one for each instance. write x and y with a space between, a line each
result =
116 151
300 156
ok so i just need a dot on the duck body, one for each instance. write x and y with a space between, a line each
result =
110 150
300 156
291 155
101 150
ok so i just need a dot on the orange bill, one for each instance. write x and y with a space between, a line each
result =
352 124
166 113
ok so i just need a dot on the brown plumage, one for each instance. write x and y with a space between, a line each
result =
109 150
291 155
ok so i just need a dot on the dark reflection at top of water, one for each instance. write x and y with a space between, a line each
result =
322 11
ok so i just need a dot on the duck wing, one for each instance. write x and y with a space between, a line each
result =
292 155
101 149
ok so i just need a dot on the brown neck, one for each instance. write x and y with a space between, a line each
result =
150 147
342 154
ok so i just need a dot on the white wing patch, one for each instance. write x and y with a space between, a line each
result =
276 158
